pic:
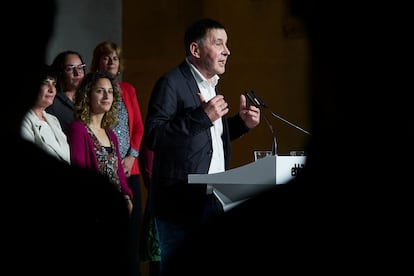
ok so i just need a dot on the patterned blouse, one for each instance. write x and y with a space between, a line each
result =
107 159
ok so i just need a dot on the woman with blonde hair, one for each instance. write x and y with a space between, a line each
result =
107 57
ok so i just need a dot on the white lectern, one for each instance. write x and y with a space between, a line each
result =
238 184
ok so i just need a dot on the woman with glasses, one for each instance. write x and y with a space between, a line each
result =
71 69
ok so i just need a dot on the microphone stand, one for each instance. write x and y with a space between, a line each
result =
264 105
289 123
274 144
256 103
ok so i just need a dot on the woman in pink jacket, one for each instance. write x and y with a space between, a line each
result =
107 57
93 144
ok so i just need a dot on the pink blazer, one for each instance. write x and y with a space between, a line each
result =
82 151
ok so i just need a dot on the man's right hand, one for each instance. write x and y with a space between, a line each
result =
215 108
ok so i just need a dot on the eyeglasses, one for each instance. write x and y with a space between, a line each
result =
71 68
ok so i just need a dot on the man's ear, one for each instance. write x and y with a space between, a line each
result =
195 50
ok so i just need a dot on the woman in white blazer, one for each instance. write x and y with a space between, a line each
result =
42 128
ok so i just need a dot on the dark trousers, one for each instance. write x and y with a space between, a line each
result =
172 235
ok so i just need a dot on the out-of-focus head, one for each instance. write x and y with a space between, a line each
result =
355 55
32 31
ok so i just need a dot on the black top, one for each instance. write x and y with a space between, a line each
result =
62 108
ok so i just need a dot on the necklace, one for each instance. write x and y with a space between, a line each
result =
96 129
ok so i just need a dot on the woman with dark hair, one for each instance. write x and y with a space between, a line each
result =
42 128
71 69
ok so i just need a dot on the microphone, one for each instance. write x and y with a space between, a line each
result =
260 103
256 102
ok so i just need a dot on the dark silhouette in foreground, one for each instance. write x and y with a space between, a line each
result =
56 219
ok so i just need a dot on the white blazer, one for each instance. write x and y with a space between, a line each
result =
47 135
